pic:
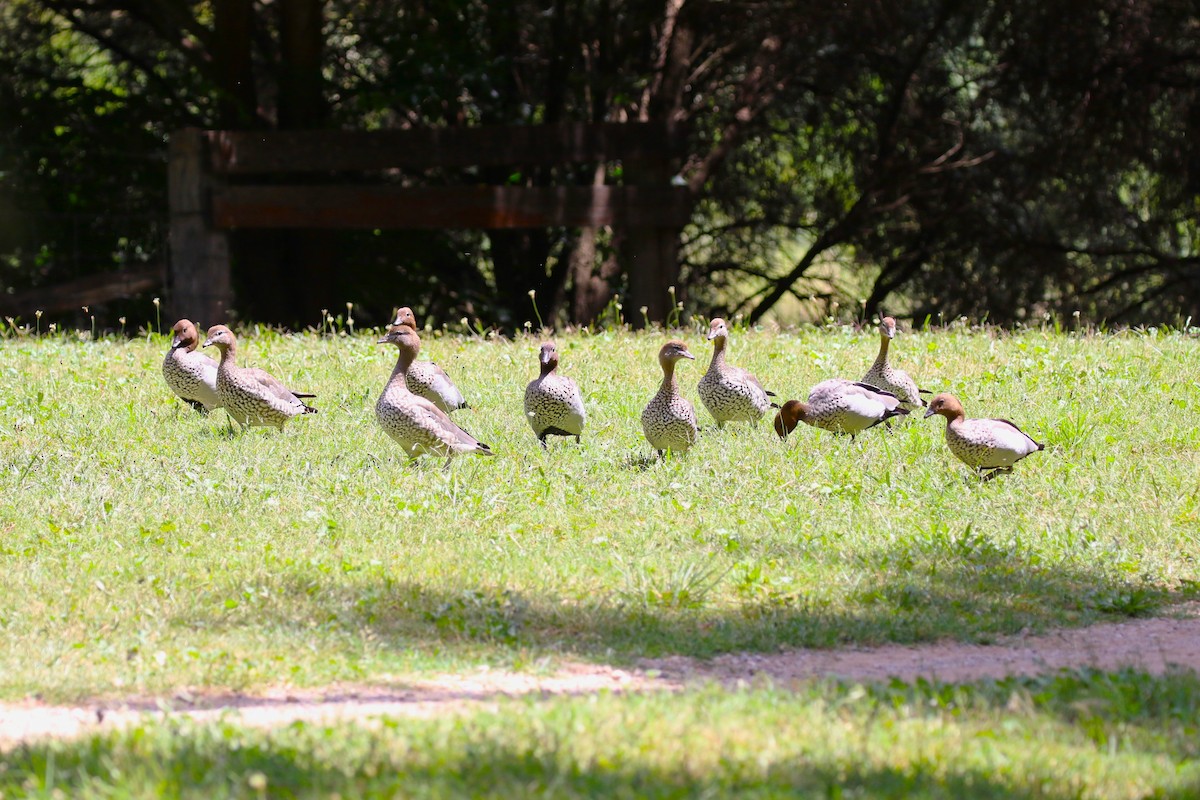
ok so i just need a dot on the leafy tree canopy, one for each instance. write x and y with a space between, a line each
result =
1007 159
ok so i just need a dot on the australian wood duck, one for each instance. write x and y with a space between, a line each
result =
989 446
192 376
731 394
427 379
417 424
252 396
669 421
553 404
883 375
840 406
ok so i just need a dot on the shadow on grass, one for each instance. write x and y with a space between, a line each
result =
413 758
960 589
639 463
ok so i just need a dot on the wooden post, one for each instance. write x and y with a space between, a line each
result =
198 282
651 253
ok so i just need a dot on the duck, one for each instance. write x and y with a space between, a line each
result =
731 394
884 376
553 404
427 379
989 446
416 423
192 376
249 395
840 406
669 420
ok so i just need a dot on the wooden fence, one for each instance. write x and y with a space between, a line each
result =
223 180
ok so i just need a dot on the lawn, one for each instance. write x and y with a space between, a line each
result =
1085 735
144 548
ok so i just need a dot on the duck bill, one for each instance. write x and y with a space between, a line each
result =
208 342
176 343
929 412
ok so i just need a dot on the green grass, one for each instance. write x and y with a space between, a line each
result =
1074 735
143 549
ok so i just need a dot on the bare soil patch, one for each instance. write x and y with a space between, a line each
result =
1154 645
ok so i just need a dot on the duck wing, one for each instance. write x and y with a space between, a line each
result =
446 389
273 386
441 423
749 377
874 393
1002 429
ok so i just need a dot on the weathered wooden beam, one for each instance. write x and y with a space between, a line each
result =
262 152
396 207
199 277
91 290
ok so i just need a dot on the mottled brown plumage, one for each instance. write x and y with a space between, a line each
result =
427 379
192 376
989 446
553 404
414 422
669 421
883 375
839 406
731 394
249 395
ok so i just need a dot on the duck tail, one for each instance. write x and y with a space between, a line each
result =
483 449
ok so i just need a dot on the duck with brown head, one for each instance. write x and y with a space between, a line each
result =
414 422
989 446
252 396
883 375
192 376
553 404
731 394
669 421
839 406
427 379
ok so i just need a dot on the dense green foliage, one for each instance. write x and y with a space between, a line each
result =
1092 735
1006 158
150 550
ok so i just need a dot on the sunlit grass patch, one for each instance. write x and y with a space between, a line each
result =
147 549
1072 734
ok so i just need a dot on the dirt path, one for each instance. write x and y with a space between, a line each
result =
1154 645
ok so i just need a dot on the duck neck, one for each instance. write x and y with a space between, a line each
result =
669 385
403 362
718 357
228 357
881 359
548 369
